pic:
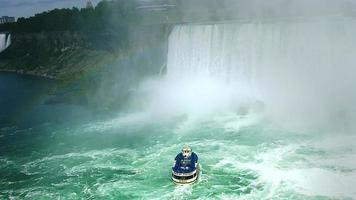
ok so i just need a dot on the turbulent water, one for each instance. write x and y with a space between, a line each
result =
262 105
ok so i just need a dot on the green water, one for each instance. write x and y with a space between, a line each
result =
128 156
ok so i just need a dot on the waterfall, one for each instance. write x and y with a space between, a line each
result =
300 67
211 51
236 51
8 41
2 42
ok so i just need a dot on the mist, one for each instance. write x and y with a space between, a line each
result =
302 67
262 91
214 10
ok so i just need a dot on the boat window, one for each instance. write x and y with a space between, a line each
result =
183 177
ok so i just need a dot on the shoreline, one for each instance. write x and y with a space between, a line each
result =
29 73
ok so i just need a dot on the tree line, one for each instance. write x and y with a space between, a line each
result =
107 16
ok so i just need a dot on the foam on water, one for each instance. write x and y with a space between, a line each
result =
213 73
241 161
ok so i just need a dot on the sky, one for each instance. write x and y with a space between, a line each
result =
26 8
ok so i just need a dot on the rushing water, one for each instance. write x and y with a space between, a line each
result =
5 41
209 99
129 157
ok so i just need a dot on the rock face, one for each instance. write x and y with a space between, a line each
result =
55 54
91 68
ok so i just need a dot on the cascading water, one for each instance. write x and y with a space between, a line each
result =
303 72
8 41
5 41
2 42
303 68
209 69
216 51
219 67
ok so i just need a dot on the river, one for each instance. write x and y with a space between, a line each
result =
47 152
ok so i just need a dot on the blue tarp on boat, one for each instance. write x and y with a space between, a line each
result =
185 165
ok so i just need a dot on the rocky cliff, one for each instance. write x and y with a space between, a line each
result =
96 69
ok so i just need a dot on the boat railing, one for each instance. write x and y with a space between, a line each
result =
184 174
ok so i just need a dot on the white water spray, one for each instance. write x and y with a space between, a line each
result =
301 70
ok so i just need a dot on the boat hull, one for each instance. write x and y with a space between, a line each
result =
186 178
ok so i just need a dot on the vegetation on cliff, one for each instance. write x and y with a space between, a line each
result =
106 16
97 54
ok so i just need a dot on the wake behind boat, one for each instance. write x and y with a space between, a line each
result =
186 168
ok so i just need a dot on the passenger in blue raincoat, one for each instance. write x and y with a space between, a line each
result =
186 161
